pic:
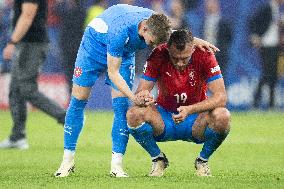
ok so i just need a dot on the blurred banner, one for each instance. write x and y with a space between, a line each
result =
240 91
52 85
242 74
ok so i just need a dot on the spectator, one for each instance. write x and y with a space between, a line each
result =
217 30
177 14
129 2
72 16
95 10
27 48
5 15
264 35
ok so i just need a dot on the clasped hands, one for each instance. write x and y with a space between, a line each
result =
144 98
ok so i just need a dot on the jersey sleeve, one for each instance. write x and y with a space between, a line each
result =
151 67
117 38
211 68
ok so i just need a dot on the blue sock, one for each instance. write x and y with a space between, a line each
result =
144 136
120 133
73 123
212 141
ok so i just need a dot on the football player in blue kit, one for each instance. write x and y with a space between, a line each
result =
108 46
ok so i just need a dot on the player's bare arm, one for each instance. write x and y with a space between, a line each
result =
23 24
113 64
217 99
114 75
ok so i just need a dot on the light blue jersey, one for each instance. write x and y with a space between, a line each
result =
115 31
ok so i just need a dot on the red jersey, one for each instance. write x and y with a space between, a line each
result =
181 88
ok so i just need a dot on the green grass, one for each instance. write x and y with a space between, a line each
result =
251 157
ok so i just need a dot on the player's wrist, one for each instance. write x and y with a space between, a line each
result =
12 42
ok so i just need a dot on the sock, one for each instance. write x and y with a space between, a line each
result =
212 141
120 133
68 155
116 159
144 136
73 123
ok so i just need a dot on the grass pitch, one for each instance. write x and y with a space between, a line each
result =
251 157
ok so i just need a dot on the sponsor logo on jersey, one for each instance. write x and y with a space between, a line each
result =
168 74
215 69
191 75
145 67
77 72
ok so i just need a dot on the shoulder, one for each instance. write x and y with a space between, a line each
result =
204 60
160 52
201 56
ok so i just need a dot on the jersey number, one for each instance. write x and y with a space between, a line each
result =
181 98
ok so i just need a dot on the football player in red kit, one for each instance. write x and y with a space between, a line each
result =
182 110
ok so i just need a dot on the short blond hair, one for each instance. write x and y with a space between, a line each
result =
159 26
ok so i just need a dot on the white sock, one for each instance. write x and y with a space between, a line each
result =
68 154
116 158
160 155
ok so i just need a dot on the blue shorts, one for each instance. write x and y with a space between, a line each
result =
173 132
89 66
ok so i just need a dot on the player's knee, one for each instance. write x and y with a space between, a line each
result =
221 120
81 93
135 116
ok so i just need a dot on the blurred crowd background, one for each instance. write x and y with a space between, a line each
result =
225 23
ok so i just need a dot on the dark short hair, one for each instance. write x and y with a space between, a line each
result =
180 38
159 26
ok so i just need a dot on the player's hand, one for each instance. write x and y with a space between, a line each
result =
205 45
8 51
144 98
183 112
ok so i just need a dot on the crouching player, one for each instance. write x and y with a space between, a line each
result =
182 110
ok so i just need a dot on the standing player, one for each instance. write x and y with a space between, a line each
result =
108 45
183 111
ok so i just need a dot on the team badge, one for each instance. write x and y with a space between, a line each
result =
145 67
192 77
191 74
77 72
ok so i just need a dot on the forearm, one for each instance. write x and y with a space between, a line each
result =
114 75
121 84
215 101
22 26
